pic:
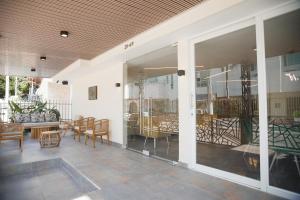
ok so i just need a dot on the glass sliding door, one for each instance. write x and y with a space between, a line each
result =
282 46
151 104
227 132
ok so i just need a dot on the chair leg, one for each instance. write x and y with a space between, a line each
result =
297 164
85 139
101 139
94 141
21 144
79 136
74 135
273 160
145 142
154 143
167 139
108 141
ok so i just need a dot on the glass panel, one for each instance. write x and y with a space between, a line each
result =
282 36
151 104
227 103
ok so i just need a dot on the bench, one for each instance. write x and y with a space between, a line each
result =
12 131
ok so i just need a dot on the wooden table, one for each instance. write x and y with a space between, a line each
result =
50 139
37 128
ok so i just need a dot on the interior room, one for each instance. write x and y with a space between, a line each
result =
151 103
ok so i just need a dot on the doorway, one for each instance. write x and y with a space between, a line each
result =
151 104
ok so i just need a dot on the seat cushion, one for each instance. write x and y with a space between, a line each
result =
88 132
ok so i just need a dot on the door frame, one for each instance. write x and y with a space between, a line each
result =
258 21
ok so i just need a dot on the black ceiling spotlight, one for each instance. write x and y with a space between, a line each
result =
64 82
180 72
118 84
43 58
33 69
64 34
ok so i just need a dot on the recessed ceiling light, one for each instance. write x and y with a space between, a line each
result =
32 69
43 58
64 34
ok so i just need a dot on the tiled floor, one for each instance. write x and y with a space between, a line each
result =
123 174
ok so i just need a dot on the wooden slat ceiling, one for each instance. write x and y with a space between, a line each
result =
30 28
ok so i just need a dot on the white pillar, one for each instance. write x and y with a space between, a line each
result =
263 104
16 86
7 88
31 89
186 97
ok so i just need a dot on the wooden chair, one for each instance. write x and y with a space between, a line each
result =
100 129
82 125
90 123
79 127
12 131
65 125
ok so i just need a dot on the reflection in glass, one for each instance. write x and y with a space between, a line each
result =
282 36
151 104
227 103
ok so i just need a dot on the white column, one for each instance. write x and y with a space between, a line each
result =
16 86
31 89
187 137
6 88
263 104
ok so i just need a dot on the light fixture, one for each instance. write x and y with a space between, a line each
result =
118 84
43 58
33 69
217 74
159 68
64 34
65 82
180 72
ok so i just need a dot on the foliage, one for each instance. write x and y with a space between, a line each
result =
296 114
2 86
15 108
37 107
23 86
55 111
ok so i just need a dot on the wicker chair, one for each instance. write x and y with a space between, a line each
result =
100 129
12 131
65 125
82 125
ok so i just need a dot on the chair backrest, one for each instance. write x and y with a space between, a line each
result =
79 122
101 126
90 122
105 125
11 127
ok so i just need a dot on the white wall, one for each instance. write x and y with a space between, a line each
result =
110 98
54 91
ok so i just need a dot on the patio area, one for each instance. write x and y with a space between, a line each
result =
120 173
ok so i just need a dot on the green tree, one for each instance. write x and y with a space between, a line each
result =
23 86
2 86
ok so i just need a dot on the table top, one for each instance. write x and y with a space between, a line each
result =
39 124
50 132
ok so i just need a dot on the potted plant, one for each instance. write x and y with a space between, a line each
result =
296 116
